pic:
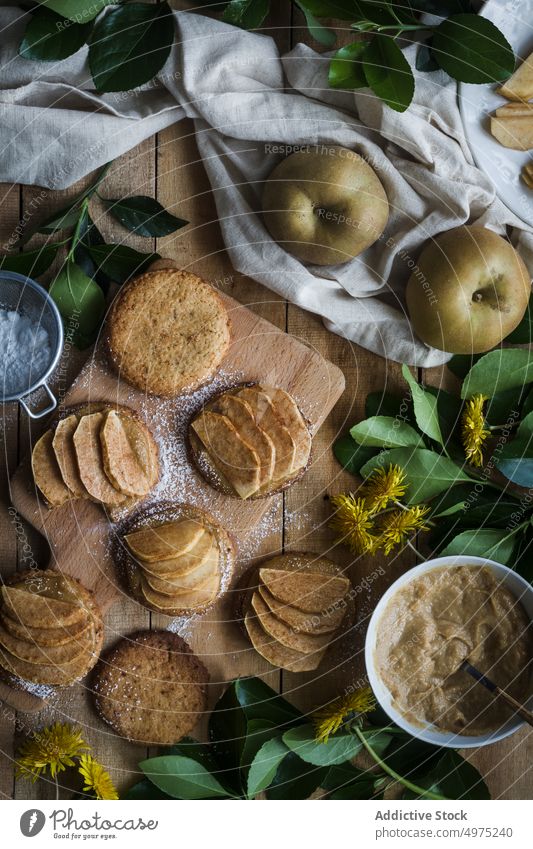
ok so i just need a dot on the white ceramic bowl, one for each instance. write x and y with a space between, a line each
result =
429 733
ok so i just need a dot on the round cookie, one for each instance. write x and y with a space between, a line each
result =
131 569
167 332
151 688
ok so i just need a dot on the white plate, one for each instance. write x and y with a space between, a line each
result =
476 102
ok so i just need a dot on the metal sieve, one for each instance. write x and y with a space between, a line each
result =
23 295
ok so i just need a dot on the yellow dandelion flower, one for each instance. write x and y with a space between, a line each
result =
96 779
52 748
328 720
353 523
395 527
473 430
384 486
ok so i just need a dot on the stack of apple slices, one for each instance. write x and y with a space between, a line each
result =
177 566
295 610
512 124
104 455
253 439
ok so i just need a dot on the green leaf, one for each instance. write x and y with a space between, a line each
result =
449 511
265 766
449 408
344 10
63 219
320 33
130 45
425 59
502 405
81 303
498 370
523 563
247 14
144 789
378 739
259 701
471 49
523 333
120 262
384 431
361 788
425 407
227 733
343 774
67 216
144 216
527 406
427 473
350 782
31 263
411 757
258 732
345 68
493 544
47 38
492 508
351 455
460 364
90 235
441 8
388 73
295 779
339 748
77 10
455 778
187 747
248 713
518 469
182 778
389 404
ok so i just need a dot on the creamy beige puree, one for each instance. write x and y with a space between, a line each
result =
435 622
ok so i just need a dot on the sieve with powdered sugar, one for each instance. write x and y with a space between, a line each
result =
31 341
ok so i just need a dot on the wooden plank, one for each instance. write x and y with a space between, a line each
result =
134 173
182 181
78 532
10 205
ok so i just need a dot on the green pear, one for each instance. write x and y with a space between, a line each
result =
325 205
468 291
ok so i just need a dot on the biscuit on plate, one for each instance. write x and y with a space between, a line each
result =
167 332
151 688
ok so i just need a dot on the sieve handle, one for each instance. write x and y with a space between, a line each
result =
52 405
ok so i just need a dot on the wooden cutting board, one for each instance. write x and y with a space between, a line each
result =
79 533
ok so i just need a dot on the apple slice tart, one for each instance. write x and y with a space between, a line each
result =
176 560
293 608
251 441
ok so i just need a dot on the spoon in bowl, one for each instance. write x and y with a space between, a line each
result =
497 691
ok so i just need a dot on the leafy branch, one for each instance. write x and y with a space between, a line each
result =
129 45
260 743
461 462
79 288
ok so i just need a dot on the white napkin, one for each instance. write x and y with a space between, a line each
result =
245 99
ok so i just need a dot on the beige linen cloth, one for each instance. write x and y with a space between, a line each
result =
246 101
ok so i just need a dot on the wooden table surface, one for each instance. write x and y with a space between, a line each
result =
167 167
